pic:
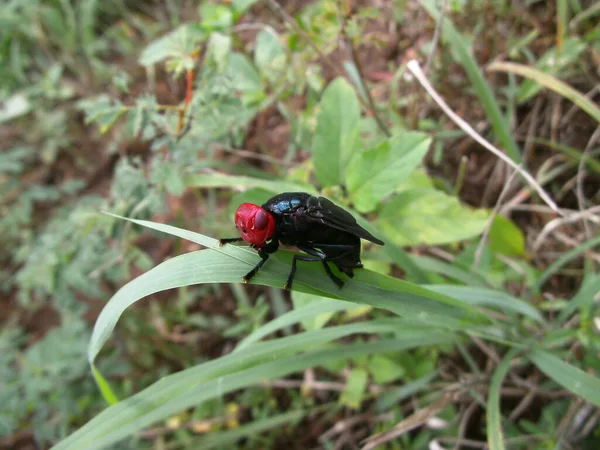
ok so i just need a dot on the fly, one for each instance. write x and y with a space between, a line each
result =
315 225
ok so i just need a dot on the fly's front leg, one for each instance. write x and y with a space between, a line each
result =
222 242
264 254
249 275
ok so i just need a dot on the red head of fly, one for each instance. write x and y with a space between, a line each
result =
255 224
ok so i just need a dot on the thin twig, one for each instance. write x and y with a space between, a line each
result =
436 36
415 68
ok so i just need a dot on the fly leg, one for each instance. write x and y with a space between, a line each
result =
249 275
324 259
222 242
264 253
331 275
290 280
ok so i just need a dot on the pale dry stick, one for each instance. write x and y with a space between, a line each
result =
415 68
588 214
488 225
436 36
581 175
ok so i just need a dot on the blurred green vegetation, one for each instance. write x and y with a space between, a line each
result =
176 112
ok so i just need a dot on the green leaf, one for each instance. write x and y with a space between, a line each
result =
215 17
338 134
269 55
384 369
241 6
506 238
243 76
570 377
302 300
428 216
355 388
375 173
463 54
219 49
179 44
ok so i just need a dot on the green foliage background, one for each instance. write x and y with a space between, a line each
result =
142 110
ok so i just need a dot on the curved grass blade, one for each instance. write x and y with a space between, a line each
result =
215 379
489 298
494 417
551 83
293 317
229 263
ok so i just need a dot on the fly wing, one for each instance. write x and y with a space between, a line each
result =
327 212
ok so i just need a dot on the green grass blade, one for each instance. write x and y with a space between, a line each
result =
551 83
494 417
215 379
489 298
484 92
228 439
293 317
570 377
229 263
565 259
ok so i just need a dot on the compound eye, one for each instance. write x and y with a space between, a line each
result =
261 219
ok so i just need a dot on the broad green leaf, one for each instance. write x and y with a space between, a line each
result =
215 379
506 238
463 54
338 135
215 16
303 300
375 173
179 44
568 376
219 49
489 298
384 369
243 76
355 388
269 55
494 417
552 83
428 216
241 6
